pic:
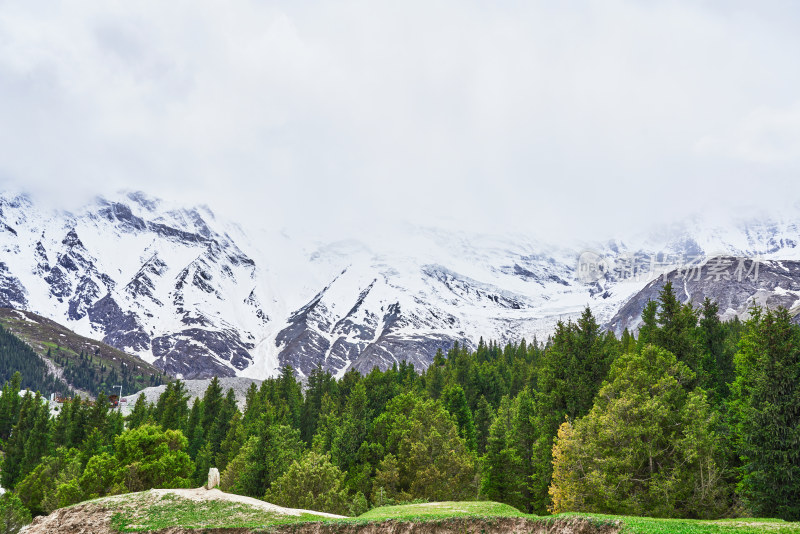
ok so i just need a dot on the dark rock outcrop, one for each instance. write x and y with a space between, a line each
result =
734 283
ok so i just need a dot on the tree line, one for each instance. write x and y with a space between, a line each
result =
692 417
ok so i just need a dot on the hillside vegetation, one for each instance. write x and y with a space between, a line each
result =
76 362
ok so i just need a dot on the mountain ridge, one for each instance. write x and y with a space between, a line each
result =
197 296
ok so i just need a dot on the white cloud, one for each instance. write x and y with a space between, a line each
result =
572 118
767 135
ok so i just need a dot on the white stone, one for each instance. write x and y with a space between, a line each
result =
213 478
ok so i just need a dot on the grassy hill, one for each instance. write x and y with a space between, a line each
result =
85 364
601 523
185 511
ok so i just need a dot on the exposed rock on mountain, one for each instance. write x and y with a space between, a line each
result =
734 283
198 296
142 277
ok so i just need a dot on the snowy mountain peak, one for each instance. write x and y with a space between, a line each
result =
198 296
161 283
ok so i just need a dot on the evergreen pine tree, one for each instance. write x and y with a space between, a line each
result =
10 405
211 406
140 414
353 429
36 442
500 480
292 396
676 328
483 421
455 402
523 440
716 365
194 430
172 408
767 406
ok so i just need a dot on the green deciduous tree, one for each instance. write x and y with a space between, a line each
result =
647 447
38 489
13 514
102 476
231 477
431 460
151 457
313 483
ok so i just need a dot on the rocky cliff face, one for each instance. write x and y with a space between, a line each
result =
197 296
143 278
735 283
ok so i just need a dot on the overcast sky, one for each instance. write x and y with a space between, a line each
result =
517 116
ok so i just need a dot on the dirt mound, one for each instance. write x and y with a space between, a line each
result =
88 518
95 517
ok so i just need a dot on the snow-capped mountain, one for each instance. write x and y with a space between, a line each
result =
199 296
169 285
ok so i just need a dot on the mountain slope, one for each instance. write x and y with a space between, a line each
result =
155 281
16 356
734 283
82 364
198 296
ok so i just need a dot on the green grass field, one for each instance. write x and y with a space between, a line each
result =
442 510
145 513
649 525
631 525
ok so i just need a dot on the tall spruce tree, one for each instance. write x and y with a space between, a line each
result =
10 405
716 363
172 408
524 441
353 429
569 374
676 328
500 474
766 401
140 413
455 402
